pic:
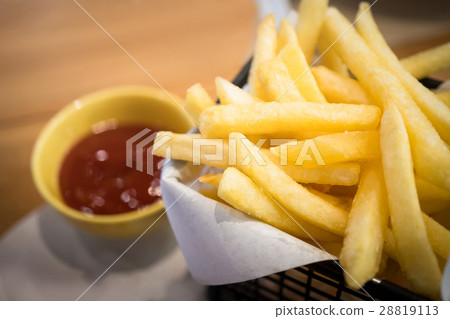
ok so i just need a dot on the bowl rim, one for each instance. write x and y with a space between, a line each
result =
77 105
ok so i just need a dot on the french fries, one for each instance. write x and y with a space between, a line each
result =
310 16
297 66
367 223
273 117
430 153
435 110
277 82
334 148
265 49
414 250
338 88
229 93
425 63
197 99
253 201
305 151
286 34
285 190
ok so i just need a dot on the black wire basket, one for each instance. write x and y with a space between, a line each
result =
318 281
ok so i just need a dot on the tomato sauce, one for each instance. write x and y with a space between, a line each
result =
95 179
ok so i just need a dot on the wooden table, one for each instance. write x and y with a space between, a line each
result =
51 52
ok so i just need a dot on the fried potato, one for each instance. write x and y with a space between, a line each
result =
215 153
192 148
197 99
435 110
345 174
338 88
211 179
229 93
265 49
277 82
286 34
292 56
414 250
328 56
431 155
366 226
253 200
289 118
425 63
291 195
333 148
310 16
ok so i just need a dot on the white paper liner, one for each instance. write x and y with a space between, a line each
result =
220 244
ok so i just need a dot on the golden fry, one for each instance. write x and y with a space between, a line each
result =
435 110
425 63
338 88
366 226
273 117
252 200
197 99
414 250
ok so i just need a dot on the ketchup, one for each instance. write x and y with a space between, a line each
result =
95 179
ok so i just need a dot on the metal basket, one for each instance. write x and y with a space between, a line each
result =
319 281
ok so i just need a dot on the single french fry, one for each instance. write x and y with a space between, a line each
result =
211 179
310 16
430 153
273 117
291 195
328 56
414 250
435 110
345 174
197 99
192 148
338 88
286 34
430 192
425 63
366 226
265 49
333 148
277 82
299 70
252 200
444 97
229 93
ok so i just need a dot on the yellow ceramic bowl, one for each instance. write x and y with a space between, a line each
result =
122 105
